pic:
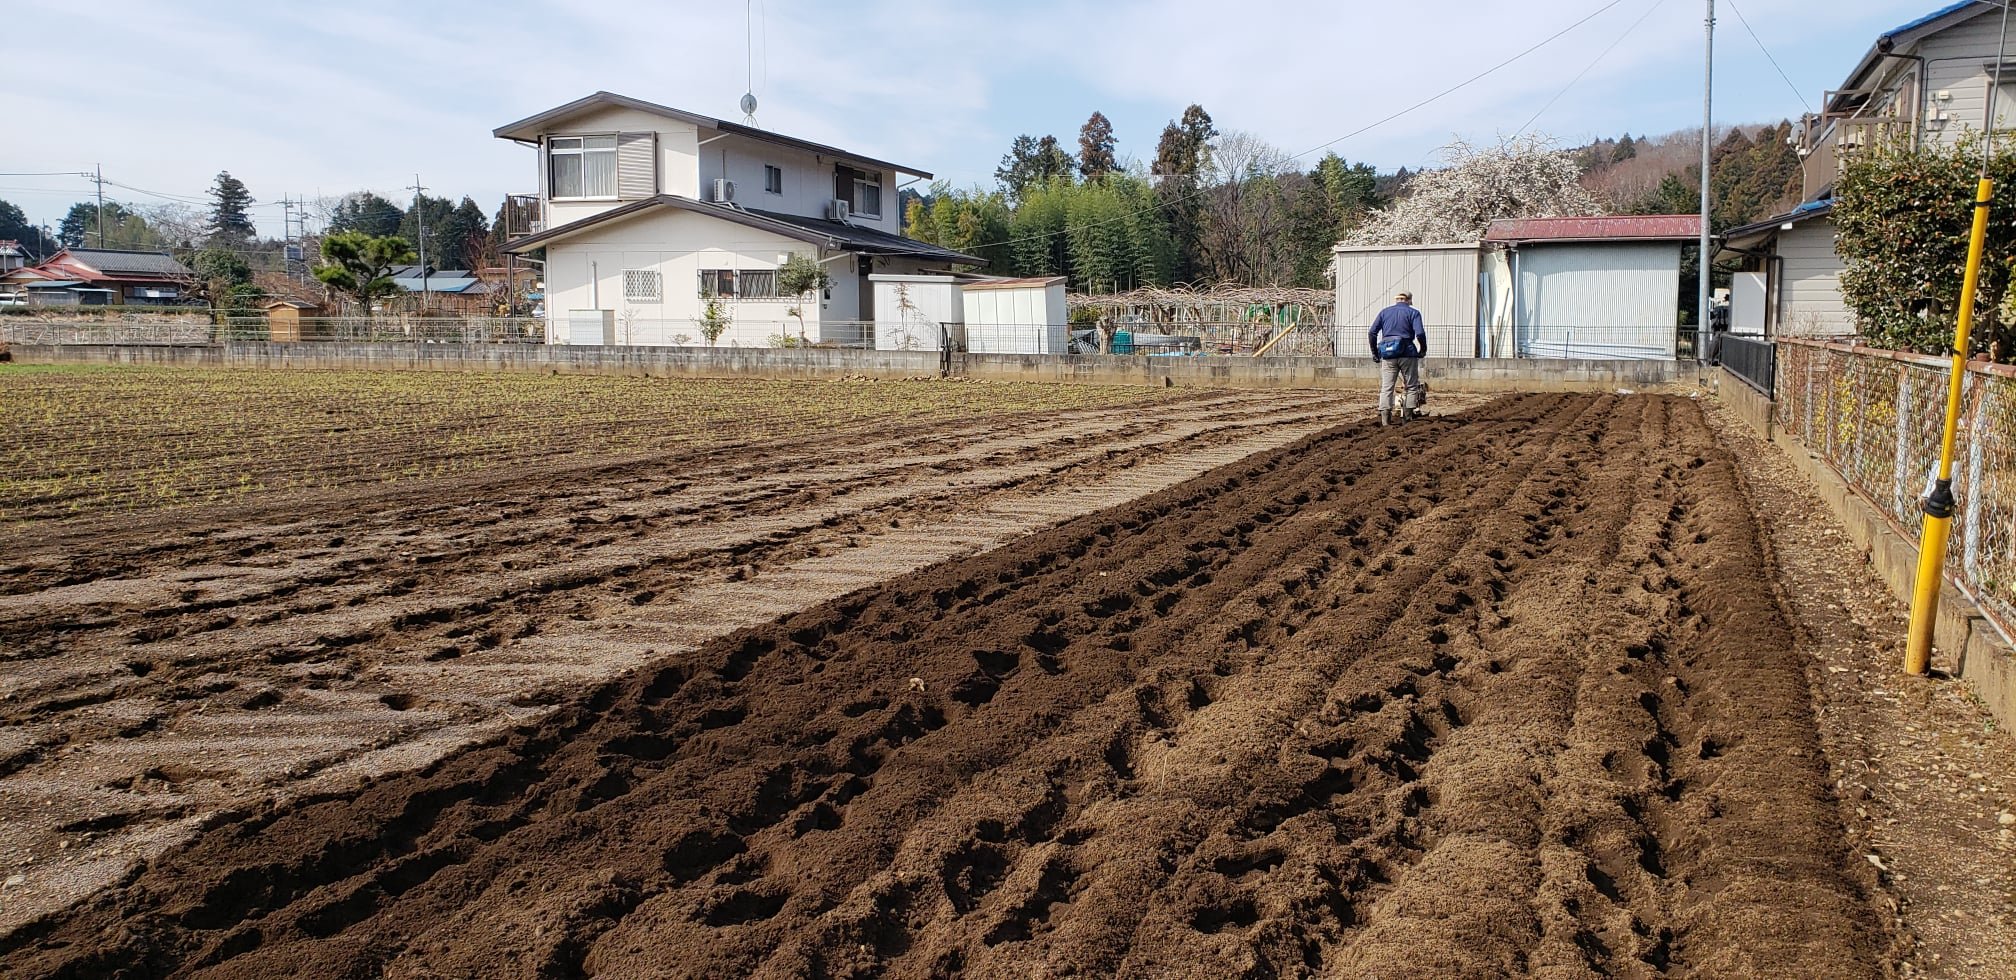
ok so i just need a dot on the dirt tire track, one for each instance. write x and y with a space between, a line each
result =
1509 693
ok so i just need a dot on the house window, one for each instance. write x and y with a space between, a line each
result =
642 286
716 283
862 190
730 283
582 166
868 194
773 179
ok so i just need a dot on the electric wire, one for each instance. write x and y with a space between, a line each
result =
1745 21
1649 11
1360 131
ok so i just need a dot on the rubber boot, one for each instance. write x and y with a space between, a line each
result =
1385 418
1406 413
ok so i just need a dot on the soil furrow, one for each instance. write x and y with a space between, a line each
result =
1507 692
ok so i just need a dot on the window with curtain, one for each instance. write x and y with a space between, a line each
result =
582 166
868 194
717 283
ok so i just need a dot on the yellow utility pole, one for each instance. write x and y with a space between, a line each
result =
1938 505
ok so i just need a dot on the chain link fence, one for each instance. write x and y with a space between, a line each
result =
1876 417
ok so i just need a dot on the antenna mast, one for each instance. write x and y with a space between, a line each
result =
749 62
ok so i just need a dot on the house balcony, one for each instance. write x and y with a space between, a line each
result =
524 215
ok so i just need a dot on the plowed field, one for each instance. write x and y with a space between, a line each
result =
1508 692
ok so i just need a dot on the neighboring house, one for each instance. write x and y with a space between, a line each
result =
1574 287
104 277
646 212
1922 84
12 256
1791 281
443 290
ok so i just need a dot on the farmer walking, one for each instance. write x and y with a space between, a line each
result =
1399 342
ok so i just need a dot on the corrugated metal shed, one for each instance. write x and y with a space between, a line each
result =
1443 279
1647 227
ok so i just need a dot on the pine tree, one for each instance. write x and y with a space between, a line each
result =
1095 147
1625 149
230 211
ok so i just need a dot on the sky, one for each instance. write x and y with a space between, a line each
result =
315 100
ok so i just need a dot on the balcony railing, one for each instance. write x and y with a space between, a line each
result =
523 216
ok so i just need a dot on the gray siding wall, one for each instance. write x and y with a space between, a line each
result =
1809 292
1955 62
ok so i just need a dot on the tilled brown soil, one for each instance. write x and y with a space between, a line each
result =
158 672
1505 693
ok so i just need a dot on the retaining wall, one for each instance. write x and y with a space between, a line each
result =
1985 660
1449 374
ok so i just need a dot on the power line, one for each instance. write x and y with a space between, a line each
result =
1368 127
1649 11
1745 21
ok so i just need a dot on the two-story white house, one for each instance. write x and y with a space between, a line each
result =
1924 83
647 212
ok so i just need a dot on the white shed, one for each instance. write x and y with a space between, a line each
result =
914 312
1015 316
1442 278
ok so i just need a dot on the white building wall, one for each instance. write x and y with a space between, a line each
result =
910 311
808 180
1015 319
586 272
1443 279
1809 291
678 168
1598 300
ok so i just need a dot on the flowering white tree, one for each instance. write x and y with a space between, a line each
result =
1521 177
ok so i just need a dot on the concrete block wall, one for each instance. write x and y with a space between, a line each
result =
1984 659
1450 374
1447 374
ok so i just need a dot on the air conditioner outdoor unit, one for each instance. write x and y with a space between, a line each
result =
724 190
836 209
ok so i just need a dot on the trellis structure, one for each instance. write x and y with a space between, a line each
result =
1230 318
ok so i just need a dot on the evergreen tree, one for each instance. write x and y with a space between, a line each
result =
462 237
14 227
1180 157
230 214
1095 147
360 266
1032 162
366 212
123 228
435 248
1625 149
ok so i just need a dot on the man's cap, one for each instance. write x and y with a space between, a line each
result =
1404 296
